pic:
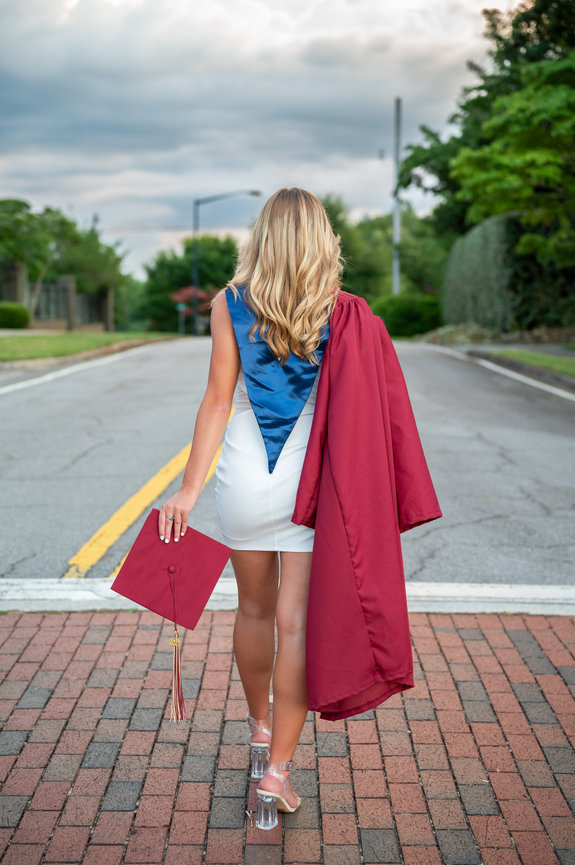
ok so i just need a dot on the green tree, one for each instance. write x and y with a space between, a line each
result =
51 244
364 249
129 307
34 239
95 264
21 236
170 271
537 30
367 249
428 167
528 162
422 253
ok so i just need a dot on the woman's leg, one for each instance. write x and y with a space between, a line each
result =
289 688
256 574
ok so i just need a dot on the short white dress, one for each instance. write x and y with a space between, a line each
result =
258 472
254 507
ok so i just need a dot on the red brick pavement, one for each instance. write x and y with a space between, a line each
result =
473 766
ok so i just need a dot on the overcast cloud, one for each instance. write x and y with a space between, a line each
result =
132 108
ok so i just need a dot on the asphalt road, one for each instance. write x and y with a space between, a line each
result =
501 455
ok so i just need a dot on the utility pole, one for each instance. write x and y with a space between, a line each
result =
396 271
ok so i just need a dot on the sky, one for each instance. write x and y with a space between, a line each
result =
130 109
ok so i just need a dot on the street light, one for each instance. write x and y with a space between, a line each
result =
196 259
396 265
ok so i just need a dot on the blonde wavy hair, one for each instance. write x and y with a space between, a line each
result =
291 268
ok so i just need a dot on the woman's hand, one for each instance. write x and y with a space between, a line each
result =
178 507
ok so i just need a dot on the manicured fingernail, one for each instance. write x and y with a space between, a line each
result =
167 541
161 537
176 540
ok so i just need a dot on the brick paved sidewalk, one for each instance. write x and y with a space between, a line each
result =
474 765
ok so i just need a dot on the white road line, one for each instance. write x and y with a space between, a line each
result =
69 370
93 594
463 356
452 352
494 367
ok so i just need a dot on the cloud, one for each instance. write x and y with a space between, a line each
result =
134 107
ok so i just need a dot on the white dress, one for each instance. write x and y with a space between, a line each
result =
254 507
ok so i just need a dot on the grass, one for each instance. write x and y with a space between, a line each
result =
551 362
30 347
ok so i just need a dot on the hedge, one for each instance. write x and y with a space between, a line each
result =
13 315
476 285
408 314
488 283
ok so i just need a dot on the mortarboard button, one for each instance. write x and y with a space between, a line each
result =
153 573
200 559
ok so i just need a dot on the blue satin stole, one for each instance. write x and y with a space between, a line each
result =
277 393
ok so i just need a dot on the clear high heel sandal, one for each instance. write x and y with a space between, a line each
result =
259 751
270 803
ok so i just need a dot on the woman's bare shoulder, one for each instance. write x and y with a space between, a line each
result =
219 299
220 313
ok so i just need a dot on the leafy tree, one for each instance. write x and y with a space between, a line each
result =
364 270
59 232
422 253
96 265
528 164
536 31
367 249
428 167
171 271
21 237
129 304
51 244
35 239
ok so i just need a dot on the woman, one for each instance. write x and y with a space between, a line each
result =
270 327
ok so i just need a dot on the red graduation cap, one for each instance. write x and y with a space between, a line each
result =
174 580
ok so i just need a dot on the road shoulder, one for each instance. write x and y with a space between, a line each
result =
526 369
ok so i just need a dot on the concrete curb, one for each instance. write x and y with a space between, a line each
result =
546 376
63 595
49 363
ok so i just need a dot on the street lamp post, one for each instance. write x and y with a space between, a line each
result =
196 232
396 264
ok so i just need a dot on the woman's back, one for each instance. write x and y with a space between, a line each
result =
242 400
265 443
277 392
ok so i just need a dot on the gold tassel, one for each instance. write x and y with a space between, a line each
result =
178 705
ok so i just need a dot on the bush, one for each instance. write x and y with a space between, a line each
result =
476 284
13 315
487 282
542 295
408 314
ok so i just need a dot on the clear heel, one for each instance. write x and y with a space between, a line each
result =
267 814
260 760
259 751
270 803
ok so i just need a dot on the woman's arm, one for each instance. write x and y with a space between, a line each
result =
211 421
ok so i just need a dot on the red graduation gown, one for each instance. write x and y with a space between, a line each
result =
364 480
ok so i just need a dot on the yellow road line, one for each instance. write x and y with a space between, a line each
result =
114 528
116 570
